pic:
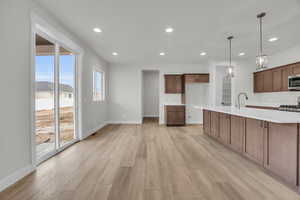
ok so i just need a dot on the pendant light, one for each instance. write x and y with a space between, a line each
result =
230 68
261 59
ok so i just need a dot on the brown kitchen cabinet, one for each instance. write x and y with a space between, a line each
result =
268 81
237 133
277 80
224 134
215 124
206 121
286 72
281 151
254 140
295 69
174 84
258 82
175 115
263 81
196 78
274 146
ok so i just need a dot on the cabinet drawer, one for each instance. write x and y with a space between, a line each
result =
175 108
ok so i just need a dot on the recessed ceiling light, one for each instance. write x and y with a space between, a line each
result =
162 53
97 30
203 53
169 30
242 54
115 54
273 39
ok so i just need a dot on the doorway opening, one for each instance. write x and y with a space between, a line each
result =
150 96
55 97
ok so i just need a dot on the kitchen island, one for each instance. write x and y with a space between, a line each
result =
270 138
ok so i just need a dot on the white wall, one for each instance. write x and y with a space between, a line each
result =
15 40
94 114
196 95
150 93
125 89
14 86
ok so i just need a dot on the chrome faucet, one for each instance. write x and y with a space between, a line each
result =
239 98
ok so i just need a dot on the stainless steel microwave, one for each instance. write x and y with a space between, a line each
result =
294 82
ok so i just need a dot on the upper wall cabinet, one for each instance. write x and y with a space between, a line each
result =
174 84
285 72
258 82
196 78
275 79
263 81
295 69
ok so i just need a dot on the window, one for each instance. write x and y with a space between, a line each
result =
98 87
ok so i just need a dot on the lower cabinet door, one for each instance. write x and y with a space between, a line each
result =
175 117
282 151
224 128
215 124
206 121
237 134
254 140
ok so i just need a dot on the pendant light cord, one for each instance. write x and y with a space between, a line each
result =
261 46
229 52
260 16
230 38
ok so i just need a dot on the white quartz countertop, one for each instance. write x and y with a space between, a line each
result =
274 116
173 104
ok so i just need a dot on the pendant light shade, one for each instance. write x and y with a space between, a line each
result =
230 68
261 59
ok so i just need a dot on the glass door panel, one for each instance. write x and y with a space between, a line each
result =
67 63
45 97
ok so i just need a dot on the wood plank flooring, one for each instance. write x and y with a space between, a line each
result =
148 162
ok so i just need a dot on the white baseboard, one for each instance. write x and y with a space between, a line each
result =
151 116
194 122
125 122
15 177
94 130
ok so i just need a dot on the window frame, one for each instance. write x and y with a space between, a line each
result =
102 74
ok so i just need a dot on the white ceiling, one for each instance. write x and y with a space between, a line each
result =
135 28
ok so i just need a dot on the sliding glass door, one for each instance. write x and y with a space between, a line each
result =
67 63
55 98
45 97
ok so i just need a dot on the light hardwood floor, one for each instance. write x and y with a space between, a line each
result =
148 162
